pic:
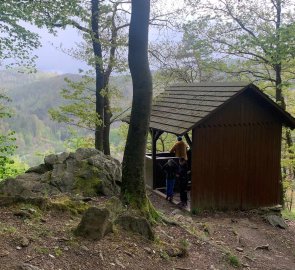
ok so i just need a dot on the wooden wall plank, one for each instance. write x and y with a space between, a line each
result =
237 167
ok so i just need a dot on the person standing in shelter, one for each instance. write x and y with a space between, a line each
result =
182 175
179 148
170 169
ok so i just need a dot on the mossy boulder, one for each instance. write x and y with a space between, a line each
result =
87 172
137 224
95 224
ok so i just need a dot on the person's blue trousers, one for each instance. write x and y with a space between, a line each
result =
170 187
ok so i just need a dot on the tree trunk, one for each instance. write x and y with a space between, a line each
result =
279 90
133 184
99 78
107 126
281 101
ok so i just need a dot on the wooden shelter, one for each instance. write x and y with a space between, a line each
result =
235 144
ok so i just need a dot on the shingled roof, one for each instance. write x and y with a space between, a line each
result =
182 106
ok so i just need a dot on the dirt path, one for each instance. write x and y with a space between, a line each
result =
45 240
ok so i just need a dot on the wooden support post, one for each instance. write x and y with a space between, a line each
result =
188 140
155 136
154 156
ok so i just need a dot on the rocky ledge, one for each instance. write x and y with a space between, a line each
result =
87 172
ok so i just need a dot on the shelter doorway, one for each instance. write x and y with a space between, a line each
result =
155 161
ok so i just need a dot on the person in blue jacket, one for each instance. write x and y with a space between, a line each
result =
170 169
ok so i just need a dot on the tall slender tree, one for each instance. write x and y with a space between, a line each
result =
133 184
99 78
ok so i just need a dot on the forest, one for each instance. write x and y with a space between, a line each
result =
65 134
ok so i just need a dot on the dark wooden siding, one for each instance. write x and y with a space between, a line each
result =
236 156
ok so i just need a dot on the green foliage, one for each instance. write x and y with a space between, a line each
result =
246 39
76 141
13 167
79 109
17 41
7 146
233 260
7 149
290 215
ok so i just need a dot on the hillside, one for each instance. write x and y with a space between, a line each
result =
32 96
210 241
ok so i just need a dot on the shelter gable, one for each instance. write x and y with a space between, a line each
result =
246 109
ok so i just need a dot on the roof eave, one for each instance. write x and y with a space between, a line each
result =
288 119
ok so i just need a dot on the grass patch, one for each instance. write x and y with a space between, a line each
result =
58 252
290 215
42 250
233 260
7 229
184 246
196 211
164 255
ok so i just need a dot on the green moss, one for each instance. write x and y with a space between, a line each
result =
87 182
65 203
144 206
88 187
34 210
152 214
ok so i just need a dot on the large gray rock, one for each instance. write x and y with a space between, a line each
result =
132 222
95 224
276 221
26 186
87 172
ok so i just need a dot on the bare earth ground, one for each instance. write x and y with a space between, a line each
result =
211 240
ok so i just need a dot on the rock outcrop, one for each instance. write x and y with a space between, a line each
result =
99 221
87 172
95 223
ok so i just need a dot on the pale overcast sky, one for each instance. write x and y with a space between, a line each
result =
52 59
